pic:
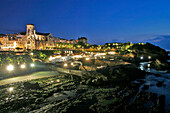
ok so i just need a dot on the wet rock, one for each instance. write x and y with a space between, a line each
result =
145 87
153 98
28 85
159 84
157 75
161 100
160 65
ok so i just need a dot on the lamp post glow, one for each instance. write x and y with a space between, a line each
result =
72 64
149 65
50 58
10 89
149 57
10 67
23 66
32 65
141 58
65 65
87 58
58 80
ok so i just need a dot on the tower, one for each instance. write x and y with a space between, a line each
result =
30 37
30 29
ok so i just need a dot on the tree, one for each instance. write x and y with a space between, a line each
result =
42 56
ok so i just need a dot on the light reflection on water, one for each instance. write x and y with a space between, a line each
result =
152 80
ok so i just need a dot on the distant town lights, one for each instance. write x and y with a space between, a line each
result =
10 67
149 57
149 65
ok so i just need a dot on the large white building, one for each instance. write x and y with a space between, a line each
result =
27 40
31 39
35 40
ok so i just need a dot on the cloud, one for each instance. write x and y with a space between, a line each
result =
161 40
156 40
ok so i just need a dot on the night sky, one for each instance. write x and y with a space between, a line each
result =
99 20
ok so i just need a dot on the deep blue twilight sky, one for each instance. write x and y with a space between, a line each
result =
99 20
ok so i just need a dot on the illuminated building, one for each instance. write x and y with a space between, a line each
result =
82 40
27 40
35 40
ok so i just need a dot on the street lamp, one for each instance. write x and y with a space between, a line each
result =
23 66
10 67
32 65
72 63
58 80
10 89
65 65
51 58
149 65
87 58
149 57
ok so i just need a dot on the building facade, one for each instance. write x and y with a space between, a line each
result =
82 40
27 40
35 40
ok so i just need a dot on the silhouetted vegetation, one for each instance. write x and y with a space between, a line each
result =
12 58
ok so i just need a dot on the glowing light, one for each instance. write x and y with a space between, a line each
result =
149 65
72 64
104 57
32 65
23 66
112 53
149 57
10 67
31 53
15 44
52 81
87 58
58 80
51 58
10 89
65 65
141 58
